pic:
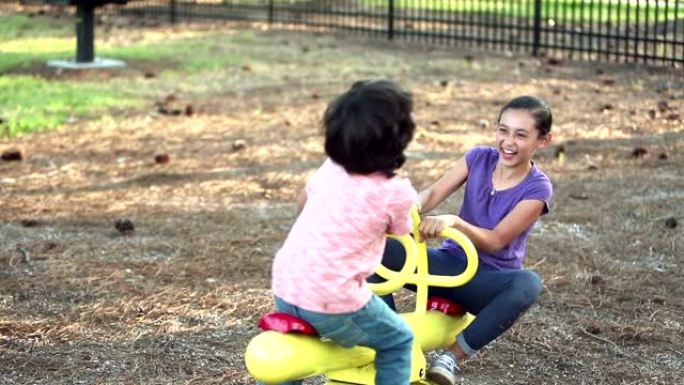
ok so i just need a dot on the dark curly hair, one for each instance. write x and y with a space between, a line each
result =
368 127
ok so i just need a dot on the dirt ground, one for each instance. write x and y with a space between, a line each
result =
176 300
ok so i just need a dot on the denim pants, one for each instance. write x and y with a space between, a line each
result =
496 297
375 326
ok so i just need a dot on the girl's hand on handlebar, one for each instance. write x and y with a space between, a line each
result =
431 226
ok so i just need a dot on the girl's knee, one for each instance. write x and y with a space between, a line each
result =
529 285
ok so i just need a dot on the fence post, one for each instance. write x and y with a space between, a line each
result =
390 20
271 10
85 33
536 37
172 12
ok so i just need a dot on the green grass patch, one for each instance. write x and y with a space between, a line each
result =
25 40
187 55
23 53
30 103
22 26
33 103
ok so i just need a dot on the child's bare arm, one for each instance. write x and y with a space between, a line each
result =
445 186
520 218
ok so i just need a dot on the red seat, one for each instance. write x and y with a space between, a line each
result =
285 323
444 305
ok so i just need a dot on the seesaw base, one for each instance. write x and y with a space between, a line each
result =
274 358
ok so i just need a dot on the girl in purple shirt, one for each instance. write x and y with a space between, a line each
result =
505 193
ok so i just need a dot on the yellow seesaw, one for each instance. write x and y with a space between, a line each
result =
273 357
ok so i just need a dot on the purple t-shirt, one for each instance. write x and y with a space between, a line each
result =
484 207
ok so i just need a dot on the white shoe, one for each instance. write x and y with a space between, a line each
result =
443 369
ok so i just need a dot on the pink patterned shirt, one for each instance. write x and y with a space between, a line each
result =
339 237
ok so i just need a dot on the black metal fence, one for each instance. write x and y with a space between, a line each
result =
646 31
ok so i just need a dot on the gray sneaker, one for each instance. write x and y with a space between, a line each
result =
443 369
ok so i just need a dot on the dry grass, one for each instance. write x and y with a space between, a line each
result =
176 301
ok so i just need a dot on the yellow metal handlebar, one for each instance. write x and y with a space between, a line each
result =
395 280
415 269
471 260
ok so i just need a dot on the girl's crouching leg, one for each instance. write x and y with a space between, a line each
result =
520 291
526 286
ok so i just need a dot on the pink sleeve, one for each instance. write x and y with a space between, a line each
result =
402 198
316 175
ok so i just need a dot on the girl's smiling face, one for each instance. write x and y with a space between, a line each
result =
518 138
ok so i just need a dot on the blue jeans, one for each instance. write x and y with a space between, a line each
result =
376 326
496 297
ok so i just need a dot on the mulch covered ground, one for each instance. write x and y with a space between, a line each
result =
173 294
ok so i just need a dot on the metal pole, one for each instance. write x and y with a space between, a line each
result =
536 38
85 33
390 20
172 14
271 9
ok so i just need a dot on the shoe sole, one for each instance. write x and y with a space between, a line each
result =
441 376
